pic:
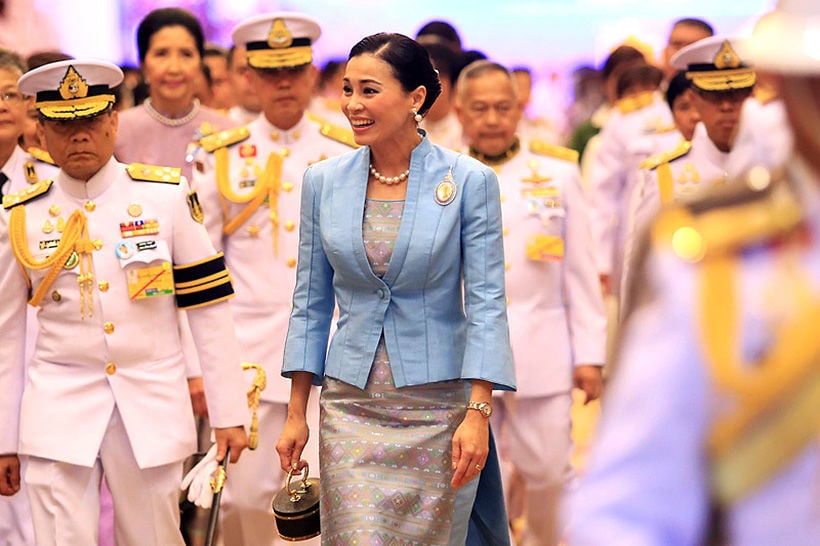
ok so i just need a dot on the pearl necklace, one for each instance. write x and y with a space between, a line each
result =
171 122
389 180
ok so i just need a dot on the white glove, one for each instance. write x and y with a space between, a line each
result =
198 480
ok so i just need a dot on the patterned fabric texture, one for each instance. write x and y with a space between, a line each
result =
385 452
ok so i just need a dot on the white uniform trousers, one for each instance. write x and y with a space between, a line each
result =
534 438
15 517
247 501
65 498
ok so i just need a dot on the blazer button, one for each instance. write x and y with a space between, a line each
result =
381 293
110 368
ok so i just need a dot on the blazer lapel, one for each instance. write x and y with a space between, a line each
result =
418 164
353 176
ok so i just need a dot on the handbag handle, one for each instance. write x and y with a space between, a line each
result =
294 494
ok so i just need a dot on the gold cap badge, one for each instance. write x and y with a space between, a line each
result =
279 35
726 57
73 85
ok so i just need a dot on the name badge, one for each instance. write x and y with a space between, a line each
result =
545 248
148 282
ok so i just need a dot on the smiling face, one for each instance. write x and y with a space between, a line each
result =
81 147
489 111
171 67
376 104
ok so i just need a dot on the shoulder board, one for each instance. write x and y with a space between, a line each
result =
41 155
153 173
229 137
764 95
27 194
552 150
332 131
729 218
637 102
654 161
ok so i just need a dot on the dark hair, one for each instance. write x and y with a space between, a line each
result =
644 75
408 59
677 86
168 17
36 60
697 23
444 60
621 55
439 32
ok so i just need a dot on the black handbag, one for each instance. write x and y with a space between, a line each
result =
297 510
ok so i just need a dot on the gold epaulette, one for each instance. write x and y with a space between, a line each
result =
551 150
637 102
333 132
765 95
22 196
654 161
222 139
154 173
729 218
41 155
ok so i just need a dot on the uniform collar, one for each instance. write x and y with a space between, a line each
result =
702 144
95 186
281 136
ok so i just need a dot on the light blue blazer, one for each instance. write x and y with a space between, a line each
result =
441 303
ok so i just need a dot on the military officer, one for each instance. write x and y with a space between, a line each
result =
721 82
249 182
107 253
711 419
639 126
17 171
555 309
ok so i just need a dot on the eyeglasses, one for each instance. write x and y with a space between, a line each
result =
11 97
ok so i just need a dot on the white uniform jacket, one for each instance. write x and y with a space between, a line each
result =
691 169
637 129
647 483
262 255
126 350
554 304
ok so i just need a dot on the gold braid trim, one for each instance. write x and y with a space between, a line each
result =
665 184
267 188
254 396
776 399
74 239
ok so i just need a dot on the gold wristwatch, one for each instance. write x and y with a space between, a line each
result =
484 408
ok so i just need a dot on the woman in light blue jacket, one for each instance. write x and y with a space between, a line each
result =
405 238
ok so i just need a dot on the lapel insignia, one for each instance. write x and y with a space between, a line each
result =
196 209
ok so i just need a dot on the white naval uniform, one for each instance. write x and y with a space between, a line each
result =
633 132
701 167
556 318
15 515
647 482
264 281
445 132
109 390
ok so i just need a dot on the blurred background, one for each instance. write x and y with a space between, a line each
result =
551 37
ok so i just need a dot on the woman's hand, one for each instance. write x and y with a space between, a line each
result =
292 441
471 443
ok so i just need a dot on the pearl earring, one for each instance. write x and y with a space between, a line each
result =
416 116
